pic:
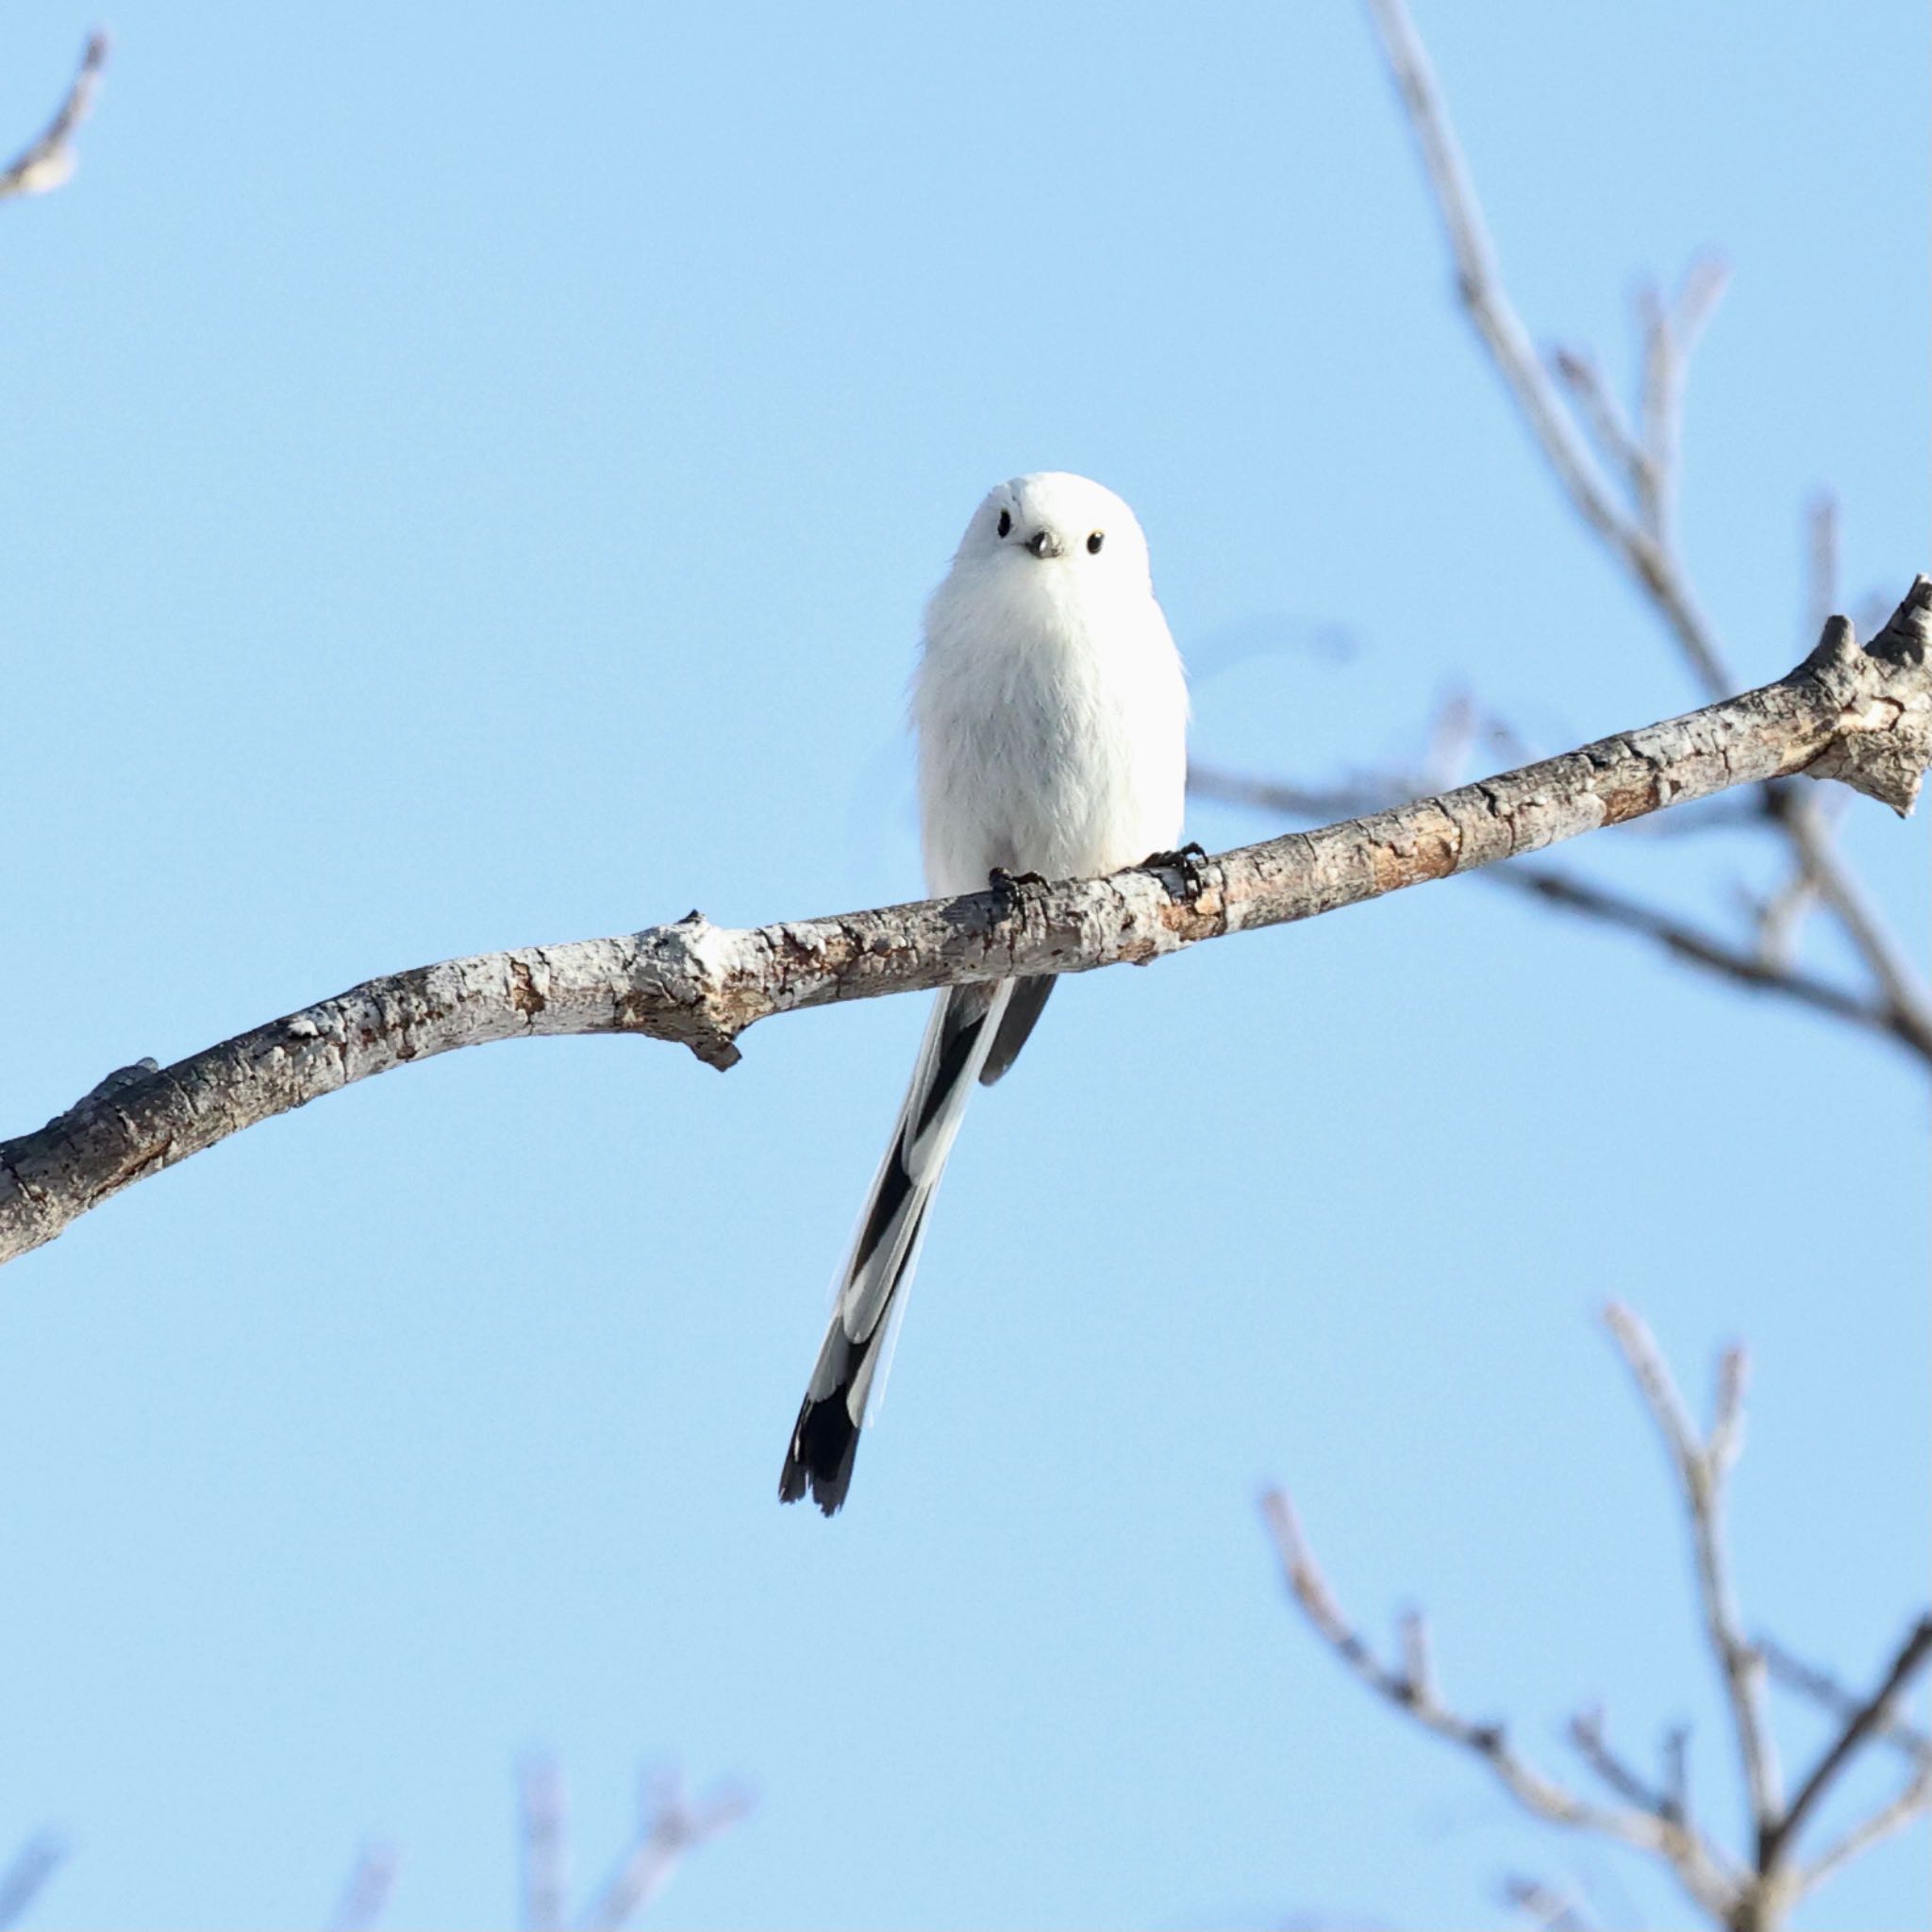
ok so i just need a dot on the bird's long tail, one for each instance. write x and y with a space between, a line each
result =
966 1020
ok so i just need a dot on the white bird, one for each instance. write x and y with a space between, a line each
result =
1051 710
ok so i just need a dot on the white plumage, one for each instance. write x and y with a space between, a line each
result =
1051 711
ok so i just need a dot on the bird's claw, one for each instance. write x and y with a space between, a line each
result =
1190 860
1010 891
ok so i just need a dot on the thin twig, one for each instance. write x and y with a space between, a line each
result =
1546 1909
1821 561
49 160
1804 820
1639 538
1701 1464
1842 1703
27 1876
1701 1867
1508 343
1555 886
1868 1720
1593 1746
367 1894
670 1826
543 1819
1913 1800
1602 415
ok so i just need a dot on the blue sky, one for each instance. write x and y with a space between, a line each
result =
471 480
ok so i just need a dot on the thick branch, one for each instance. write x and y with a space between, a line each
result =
1868 712
1760 968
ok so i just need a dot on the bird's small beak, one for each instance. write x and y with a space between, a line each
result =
1043 543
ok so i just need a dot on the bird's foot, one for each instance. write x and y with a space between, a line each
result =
1012 891
1190 860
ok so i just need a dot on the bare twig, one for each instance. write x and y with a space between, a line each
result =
1865 715
1603 416
27 1876
1752 967
1749 1895
1545 1909
49 160
366 1896
1701 1867
1701 1463
1842 1703
1868 1720
1639 535
543 1809
1821 561
1593 1746
1914 1801
1503 334
671 1826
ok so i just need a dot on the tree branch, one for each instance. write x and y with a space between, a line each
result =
1868 1720
1762 968
366 1894
49 160
1495 320
1826 1692
1701 1463
1868 713
669 1826
25 1874
1636 531
1701 1867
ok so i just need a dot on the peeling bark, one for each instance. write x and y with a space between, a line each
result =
1861 716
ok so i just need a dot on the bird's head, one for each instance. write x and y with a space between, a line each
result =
1067 524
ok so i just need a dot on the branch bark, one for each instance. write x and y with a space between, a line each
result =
1864 715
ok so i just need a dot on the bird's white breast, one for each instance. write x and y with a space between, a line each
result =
1052 718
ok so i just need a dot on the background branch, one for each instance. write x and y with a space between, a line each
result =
1763 967
1700 1866
1578 431
1750 1891
25 1874
49 160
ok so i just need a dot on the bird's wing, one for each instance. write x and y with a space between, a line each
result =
1025 1008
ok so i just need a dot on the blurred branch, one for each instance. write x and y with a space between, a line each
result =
1544 1908
544 1839
1760 968
1495 320
49 160
1825 1690
367 1894
23 1880
1752 1893
1578 435
670 1825
1868 1720
1864 716
1700 1866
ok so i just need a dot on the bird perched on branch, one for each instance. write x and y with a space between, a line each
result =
1051 711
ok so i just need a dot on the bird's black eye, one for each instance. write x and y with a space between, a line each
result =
1094 541
1005 522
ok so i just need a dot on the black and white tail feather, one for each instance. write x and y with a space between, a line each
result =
974 1034
1051 711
